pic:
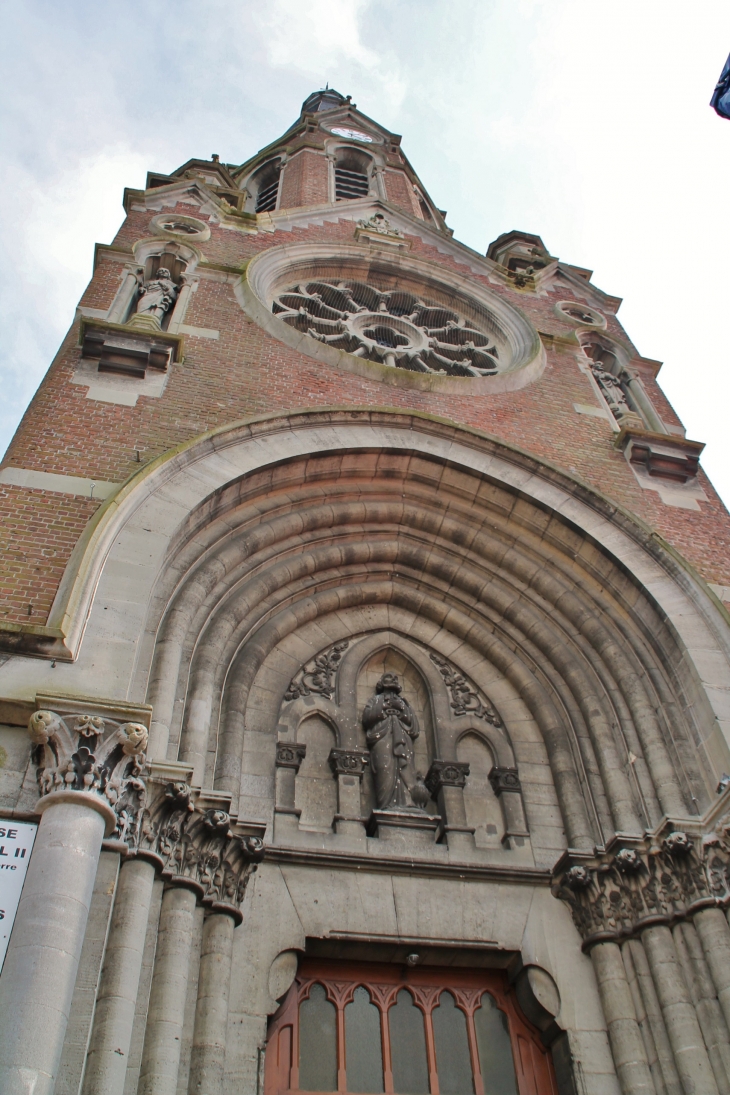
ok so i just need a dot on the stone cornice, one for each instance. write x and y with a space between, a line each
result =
401 865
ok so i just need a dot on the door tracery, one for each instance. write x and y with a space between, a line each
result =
440 1031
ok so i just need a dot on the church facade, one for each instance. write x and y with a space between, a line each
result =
364 691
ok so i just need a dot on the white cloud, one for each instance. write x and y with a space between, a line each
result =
326 31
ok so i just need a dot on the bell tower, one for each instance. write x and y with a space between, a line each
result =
364 661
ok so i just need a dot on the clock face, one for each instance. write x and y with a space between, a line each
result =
351 134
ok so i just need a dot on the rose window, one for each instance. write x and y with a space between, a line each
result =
395 327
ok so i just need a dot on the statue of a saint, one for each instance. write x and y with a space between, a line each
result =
611 386
157 297
391 727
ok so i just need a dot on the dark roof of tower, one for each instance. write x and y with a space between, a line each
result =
324 100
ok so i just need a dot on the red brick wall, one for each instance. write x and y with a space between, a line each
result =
247 372
305 180
38 531
400 192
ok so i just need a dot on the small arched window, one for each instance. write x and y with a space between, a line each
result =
265 187
352 175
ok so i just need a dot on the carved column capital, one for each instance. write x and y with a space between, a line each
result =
446 773
193 841
101 758
290 754
349 762
637 883
504 779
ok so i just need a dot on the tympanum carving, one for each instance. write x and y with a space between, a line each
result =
319 674
465 699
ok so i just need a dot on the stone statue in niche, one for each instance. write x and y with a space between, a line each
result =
391 727
612 390
156 297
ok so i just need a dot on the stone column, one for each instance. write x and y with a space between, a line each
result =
289 756
166 1013
106 1064
207 1063
348 766
714 933
627 1044
42 962
125 295
43 956
207 856
685 1036
446 780
507 787
704 998
661 1063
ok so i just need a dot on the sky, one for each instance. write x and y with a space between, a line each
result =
584 121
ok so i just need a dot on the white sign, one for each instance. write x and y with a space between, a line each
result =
16 844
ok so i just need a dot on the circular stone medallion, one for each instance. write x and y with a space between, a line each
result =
180 227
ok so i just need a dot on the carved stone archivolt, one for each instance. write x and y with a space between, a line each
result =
318 675
636 883
465 697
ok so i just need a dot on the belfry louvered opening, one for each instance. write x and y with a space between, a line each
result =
350 184
352 178
267 188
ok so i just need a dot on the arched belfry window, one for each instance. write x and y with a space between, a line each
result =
368 1029
352 174
265 187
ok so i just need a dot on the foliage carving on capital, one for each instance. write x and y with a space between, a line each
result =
92 754
195 844
446 773
615 893
290 754
349 762
504 780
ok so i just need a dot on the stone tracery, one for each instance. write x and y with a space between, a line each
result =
398 328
